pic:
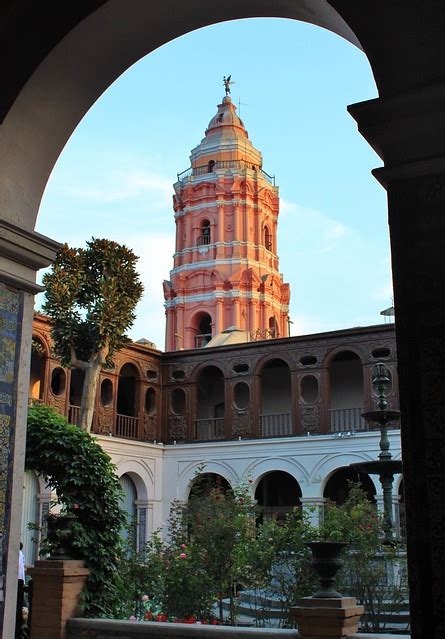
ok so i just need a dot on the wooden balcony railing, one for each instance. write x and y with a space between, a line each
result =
209 429
277 425
74 414
343 420
127 427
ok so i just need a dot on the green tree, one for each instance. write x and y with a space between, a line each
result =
91 295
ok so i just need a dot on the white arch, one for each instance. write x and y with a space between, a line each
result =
141 476
330 463
185 480
256 470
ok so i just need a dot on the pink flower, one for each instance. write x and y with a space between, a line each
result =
182 555
145 597
183 546
132 618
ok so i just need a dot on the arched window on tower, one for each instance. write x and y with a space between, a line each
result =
204 233
203 329
211 166
273 327
267 238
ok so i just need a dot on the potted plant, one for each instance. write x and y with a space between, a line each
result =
60 534
331 538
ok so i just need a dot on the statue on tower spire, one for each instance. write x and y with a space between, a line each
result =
227 82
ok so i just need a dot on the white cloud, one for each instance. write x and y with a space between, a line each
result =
315 233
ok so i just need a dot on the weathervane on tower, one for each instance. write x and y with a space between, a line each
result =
227 82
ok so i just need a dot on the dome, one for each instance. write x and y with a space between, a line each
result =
226 117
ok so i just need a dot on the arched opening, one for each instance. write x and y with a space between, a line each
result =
277 494
30 515
150 401
309 389
58 381
37 371
273 327
267 238
127 417
210 411
338 485
77 379
276 399
205 483
211 166
106 393
241 395
128 505
203 328
178 401
346 393
204 233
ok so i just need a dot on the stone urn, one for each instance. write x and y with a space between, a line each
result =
326 562
60 534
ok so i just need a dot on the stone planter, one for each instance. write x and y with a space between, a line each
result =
326 562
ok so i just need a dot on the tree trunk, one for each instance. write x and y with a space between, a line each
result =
89 395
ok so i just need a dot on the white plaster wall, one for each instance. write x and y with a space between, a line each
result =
163 474
143 463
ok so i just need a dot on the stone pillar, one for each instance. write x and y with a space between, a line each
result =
408 132
219 317
56 592
22 253
313 507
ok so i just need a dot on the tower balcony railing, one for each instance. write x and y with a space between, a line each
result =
209 429
203 240
224 164
276 425
202 340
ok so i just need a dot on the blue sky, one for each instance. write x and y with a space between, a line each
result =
114 178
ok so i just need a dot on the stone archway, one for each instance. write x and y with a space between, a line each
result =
60 71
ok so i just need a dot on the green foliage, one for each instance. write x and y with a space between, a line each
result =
91 295
83 476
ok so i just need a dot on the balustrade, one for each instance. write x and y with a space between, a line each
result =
346 419
276 425
127 426
209 429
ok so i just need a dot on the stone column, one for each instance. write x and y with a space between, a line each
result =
313 507
408 131
22 253
56 593
219 316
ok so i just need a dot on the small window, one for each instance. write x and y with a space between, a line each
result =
241 395
241 368
178 375
309 389
106 392
267 238
308 360
204 234
381 353
58 381
151 374
211 166
178 401
150 401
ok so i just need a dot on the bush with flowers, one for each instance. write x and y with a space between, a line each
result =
216 547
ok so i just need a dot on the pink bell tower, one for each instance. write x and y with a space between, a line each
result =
225 270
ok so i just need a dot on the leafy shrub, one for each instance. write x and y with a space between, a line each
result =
82 474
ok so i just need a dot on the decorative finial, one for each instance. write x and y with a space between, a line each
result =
227 82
